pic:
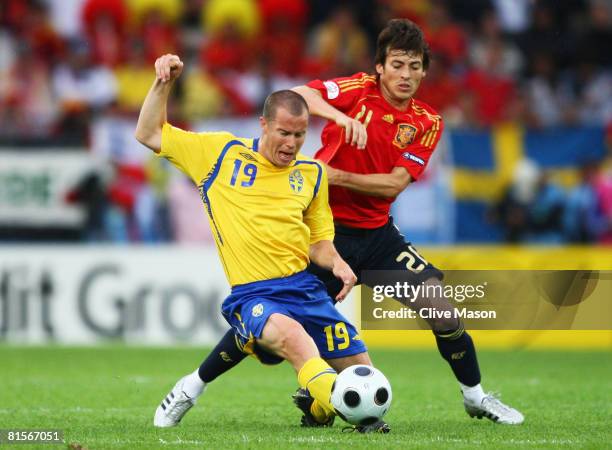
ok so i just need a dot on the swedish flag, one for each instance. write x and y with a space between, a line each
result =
484 162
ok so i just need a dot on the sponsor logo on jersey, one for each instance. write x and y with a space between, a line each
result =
257 310
333 90
296 180
388 118
414 158
248 156
405 135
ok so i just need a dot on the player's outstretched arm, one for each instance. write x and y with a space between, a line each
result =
324 254
375 184
355 131
153 112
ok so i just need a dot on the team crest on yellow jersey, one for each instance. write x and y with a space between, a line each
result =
296 180
405 135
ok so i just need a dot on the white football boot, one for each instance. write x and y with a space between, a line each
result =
174 406
492 408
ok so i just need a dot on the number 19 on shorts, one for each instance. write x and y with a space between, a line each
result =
340 332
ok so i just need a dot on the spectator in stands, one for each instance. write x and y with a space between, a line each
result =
90 192
232 27
445 36
339 44
442 90
27 105
531 209
549 93
105 23
36 32
190 28
8 53
65 16
125 186
603 188
133 77
228 50
511 61
545 35
169 10
514 15
595 39
202 96
546 212
185 211
583 221
469 13
415 10
191 16
491 92
155 21
282 37
151 211
593 89
512 211
81 89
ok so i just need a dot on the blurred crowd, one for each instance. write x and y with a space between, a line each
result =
540 62
66 63
536 210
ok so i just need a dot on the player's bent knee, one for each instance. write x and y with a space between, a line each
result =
287 338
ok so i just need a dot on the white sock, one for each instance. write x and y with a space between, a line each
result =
193 386
473 394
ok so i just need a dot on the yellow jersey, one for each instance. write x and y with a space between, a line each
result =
263 217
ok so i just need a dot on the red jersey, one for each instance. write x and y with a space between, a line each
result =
395 139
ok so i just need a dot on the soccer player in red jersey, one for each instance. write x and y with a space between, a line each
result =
379 139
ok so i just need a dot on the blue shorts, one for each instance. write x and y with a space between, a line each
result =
303 298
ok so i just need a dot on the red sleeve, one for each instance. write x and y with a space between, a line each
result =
342 93
416 155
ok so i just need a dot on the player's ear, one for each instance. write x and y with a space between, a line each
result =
379 69
263 123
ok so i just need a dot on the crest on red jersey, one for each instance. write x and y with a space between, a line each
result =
405 135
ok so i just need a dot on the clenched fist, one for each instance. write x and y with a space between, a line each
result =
168 68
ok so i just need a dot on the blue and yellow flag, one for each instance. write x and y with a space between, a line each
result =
484 162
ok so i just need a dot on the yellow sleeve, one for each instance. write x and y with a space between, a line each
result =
193 153
318 215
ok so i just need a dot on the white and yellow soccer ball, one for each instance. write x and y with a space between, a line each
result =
361 395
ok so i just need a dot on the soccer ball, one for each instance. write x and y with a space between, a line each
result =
361 395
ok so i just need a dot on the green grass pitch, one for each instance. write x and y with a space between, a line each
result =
105 397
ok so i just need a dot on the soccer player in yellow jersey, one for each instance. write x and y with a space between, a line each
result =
269 213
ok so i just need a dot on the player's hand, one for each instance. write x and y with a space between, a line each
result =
168 68
354 131
344 273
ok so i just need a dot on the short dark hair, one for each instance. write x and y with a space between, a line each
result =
402 34
290 100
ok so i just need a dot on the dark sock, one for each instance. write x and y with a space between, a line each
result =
223 357
457 348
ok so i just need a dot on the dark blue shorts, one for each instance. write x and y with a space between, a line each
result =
303 298
379 249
